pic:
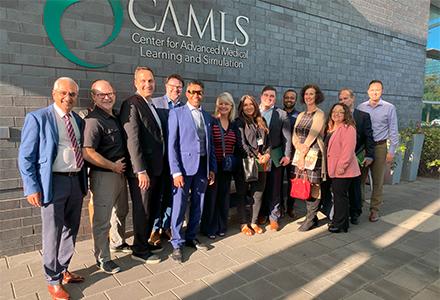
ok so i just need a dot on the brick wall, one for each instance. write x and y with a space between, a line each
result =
336 44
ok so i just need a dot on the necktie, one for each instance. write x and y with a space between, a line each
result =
71 134
198 118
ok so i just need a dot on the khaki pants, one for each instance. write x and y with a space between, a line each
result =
377 168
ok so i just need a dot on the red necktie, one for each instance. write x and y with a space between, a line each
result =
71 134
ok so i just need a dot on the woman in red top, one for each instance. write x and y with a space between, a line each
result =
216 207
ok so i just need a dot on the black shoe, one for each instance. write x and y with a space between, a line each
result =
155 248
147 258
337 230
196 244
315 222
122 248
109 267
354 220
177 255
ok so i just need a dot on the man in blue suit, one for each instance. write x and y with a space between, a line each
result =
193 165
52 169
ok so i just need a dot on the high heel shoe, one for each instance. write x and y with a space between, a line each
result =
337 230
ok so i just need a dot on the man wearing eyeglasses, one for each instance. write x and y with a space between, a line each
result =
144 130
193 166
173 86
53 173
104 148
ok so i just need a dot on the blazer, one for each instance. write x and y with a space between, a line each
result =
279 131
340 153
364 136
162 103
246 136
184 143
38 151
143 135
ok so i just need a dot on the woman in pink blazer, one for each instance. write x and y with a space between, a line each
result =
342 165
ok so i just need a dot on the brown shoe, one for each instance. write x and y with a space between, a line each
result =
273 225
262 220
167 233
292 213
58 292
282 211
155 238
374 217
69 277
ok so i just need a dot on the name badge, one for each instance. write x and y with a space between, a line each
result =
260 142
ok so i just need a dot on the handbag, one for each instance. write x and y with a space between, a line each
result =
300 187
229 162
250 169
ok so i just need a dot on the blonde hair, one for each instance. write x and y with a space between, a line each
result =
226 98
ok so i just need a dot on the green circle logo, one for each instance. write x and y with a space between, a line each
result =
53 11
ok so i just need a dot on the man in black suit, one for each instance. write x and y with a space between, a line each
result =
145 143
281 141
364 142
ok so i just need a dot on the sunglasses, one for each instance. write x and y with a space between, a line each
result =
192 92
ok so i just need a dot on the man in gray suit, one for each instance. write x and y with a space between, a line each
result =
173 86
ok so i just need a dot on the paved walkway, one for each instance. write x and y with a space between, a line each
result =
395 258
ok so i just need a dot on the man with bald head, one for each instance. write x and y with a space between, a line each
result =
104 148
53 173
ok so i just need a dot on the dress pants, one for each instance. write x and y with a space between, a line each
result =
216 207
340 198
271 197
355 197
60 218
110 205
377 172
144 209
290 200
257 189
163 214
197 184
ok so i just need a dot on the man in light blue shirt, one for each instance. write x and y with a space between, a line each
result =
384 124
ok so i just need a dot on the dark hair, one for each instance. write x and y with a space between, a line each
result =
347 90
142 69
175 76
348 117
289 91
375 81
195 82
257 115
319 95
268 88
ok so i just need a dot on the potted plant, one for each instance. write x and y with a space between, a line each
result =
393 170
413 137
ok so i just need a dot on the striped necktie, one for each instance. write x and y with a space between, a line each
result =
73 142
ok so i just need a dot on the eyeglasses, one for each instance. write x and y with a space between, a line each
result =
177 87
193 92
64 94
102 95
338 112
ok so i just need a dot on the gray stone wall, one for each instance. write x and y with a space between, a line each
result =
336 44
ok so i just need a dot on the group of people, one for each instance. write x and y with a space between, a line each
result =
169 152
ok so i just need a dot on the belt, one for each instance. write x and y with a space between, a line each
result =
66 173
380 142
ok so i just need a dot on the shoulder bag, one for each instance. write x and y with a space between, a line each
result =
229 162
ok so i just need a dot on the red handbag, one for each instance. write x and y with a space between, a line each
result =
300 187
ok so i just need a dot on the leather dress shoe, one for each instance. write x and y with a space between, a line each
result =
262 220
196 244
72 278
374 217
337 230
155 238
58 292
167 233
354 220
274 225
177 255
292 213
282 211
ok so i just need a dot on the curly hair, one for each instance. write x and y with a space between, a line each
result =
257 115
348 117
319 98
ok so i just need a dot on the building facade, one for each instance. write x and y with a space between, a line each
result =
235 46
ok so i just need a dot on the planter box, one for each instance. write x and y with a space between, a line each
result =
392 176
412 157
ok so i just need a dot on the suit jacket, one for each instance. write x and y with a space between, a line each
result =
247 138
144 139
279 131
38 151
364 136
162 103
184 144
340 153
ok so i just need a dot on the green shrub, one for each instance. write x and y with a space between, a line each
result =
430 158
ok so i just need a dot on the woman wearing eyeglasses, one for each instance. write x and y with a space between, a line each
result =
308 136
252 140
342 165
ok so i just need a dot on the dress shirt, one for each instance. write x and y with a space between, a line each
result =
267 114
65 160
171 104
383 122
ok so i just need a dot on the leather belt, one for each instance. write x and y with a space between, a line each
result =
380 142
70 174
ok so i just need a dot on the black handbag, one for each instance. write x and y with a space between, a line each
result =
250 169
229 162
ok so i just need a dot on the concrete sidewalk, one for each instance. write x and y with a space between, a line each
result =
396 258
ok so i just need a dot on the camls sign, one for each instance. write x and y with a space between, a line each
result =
221 52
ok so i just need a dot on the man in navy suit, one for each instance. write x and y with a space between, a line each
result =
193 165
364 141
173 86
52 169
